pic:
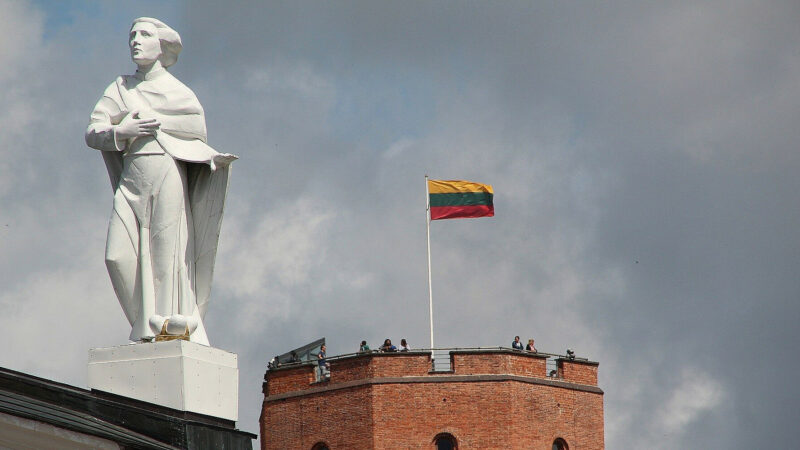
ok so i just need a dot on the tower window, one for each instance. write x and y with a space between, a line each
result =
445 441
560 444
320 446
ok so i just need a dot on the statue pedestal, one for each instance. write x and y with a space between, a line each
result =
177 374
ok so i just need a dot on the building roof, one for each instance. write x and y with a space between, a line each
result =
126 421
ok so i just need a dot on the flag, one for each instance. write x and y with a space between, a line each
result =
455 199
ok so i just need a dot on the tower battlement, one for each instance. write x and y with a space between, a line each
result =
489 398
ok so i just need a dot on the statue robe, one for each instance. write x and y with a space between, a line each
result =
169 196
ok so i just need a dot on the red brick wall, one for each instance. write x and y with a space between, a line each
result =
483 403
375 365
290 379
411 415
542 414
582 372
342 419
351 369
511 363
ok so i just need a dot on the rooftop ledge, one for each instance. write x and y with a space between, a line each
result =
453 364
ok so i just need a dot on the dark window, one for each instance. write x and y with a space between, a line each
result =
320 446
560 444
445 441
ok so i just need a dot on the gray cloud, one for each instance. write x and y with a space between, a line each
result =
643 158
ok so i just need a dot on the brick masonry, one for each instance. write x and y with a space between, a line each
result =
491 399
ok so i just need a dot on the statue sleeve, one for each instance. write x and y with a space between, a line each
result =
100 133
106 114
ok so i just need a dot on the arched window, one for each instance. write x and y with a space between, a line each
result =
560 444
445 441
320 446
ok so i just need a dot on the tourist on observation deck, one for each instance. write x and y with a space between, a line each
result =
516 345
323 364
387 346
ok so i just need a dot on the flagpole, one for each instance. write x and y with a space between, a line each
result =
430 284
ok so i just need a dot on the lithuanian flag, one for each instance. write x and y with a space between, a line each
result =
455 199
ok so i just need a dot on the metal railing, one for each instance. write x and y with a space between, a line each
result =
552 368
441 360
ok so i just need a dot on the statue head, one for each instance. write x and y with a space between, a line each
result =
152 40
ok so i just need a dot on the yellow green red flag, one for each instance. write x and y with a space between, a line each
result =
455 199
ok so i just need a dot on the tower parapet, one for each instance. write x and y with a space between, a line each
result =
490 398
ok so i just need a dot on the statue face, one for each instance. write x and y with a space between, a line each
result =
144 43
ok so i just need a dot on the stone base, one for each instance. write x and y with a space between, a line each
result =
177 374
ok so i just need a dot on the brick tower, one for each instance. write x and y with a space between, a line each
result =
489 399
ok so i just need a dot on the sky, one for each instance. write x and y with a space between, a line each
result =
644 158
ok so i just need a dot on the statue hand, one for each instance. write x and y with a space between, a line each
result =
132 126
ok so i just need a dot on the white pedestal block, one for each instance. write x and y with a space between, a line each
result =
178 374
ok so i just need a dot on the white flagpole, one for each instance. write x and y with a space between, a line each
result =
430 284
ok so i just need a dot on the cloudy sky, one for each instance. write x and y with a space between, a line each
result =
644 158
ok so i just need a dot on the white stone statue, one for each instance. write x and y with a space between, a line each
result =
169 190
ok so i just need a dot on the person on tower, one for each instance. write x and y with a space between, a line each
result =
387 346
324 366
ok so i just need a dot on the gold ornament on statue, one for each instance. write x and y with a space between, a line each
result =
164 336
